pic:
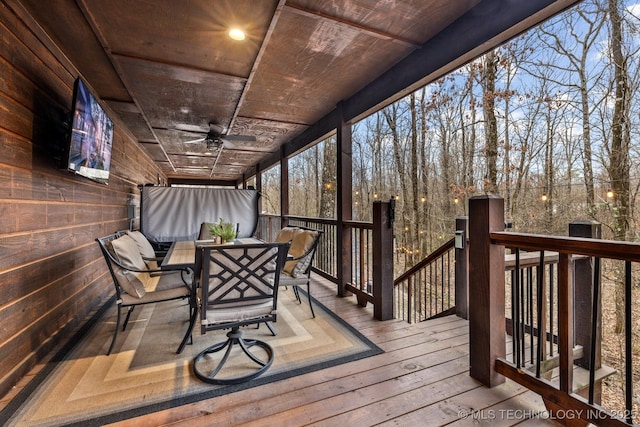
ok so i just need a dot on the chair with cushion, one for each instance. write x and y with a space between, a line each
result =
297 270
137 284
151 257
238 287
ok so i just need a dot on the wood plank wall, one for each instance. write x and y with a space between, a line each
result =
51 270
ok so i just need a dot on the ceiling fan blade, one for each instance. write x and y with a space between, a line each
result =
217 129
194 141
247 138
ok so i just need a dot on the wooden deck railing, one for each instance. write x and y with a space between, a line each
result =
561 389
268 227
427 290
567 387
324 262
361 256
370 280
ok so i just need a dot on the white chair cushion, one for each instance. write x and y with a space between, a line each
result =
127 253
236 313
145 249
287 280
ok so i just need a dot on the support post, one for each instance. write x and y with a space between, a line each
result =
284 188
382 261
343 202
486 293
462 268
584 291
259 186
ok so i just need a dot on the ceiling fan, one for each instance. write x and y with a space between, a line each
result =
216 138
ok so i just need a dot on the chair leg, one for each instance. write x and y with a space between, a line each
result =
309 297
192 321
271 328
115 332
234 337
296 293
126 319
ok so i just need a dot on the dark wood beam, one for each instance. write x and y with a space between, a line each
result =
284 188
343 201
367 30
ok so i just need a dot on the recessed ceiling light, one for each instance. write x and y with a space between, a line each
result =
236 34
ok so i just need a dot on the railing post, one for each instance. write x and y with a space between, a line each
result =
344 199
382 261
284 186
462 268
486 293
584 282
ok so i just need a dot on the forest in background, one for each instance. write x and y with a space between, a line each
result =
549 121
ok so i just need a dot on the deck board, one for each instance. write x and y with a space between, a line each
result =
421 379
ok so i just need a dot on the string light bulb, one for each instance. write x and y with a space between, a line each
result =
610 194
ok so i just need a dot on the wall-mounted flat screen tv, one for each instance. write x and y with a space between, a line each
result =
91 136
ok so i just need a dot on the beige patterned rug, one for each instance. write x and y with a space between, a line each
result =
83 386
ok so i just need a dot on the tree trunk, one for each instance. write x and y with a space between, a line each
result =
413 174
328 187
619 149
391 116
490 123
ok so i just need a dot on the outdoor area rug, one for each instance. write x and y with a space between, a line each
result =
82 386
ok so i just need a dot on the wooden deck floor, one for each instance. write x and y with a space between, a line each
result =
421 379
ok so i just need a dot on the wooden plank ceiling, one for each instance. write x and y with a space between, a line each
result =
168 68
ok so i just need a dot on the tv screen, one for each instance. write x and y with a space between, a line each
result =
91 136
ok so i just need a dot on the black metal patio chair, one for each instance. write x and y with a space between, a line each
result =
238 287
136 284
297 269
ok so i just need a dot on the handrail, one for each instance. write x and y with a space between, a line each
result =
310 219
359 224
427 290
628 251
432 257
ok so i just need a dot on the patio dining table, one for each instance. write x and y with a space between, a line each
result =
182 253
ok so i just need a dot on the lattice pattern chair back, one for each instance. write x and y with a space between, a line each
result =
238 285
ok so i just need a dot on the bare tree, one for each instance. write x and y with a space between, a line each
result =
392 115
328 182
618 149
575 45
